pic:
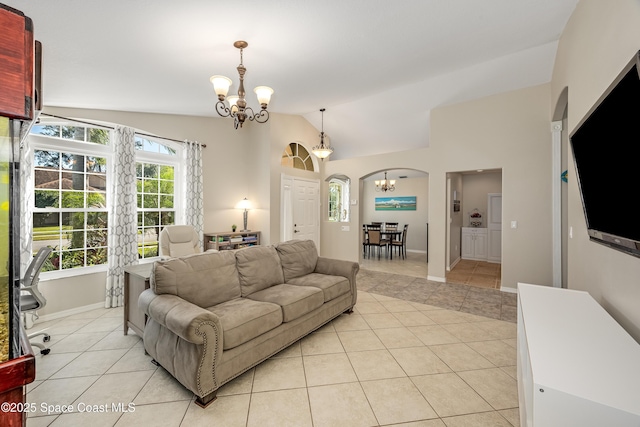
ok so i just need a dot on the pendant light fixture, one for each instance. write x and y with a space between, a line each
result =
322 150
237 106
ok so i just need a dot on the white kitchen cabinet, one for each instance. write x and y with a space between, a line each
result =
474 243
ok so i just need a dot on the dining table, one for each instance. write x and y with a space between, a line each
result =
386 233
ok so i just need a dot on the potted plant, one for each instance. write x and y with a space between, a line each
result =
233 228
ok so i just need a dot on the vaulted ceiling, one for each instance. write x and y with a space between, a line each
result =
377 66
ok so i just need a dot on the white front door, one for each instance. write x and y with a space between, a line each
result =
306 196
300 209
494 227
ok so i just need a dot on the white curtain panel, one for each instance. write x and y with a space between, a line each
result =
26 201
193 201
122 237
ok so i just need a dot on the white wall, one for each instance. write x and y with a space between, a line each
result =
598 41
417 220
509 131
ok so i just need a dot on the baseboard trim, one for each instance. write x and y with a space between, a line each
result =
454 263
436 279
416 251
70 312
508 289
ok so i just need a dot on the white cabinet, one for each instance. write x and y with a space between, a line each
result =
577 367
474 243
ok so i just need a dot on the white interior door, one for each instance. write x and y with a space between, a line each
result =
300 209
494 227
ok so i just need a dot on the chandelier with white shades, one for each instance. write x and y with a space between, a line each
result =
236 105
385 184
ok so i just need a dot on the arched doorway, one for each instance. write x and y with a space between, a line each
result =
409 184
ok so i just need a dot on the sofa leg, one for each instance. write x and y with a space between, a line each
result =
349 311
205 401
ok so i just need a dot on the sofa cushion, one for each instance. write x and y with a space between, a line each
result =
258 268
298 257
244 319
295 301
332 286
203 279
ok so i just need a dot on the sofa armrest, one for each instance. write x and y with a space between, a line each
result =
189 321
338 267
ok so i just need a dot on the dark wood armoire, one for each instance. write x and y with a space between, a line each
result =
17 102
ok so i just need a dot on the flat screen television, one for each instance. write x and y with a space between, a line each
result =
606 154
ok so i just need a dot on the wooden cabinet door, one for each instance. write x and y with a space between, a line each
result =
16 64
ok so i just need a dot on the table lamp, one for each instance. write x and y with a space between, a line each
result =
244 204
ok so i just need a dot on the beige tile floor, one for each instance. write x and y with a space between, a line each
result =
415 264
392 362
476 273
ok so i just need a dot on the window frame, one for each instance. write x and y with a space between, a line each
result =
290 159
84 148
163 159
344 184
87 148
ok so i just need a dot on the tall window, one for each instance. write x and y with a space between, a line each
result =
338 202
156 168
70 211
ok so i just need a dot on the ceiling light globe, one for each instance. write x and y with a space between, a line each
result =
264 95
221 85
322 153
233 100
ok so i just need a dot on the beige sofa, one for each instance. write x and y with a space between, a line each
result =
213 316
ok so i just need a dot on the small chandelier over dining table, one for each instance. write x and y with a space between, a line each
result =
237 105
322 150
385 184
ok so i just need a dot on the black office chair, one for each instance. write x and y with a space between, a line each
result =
33 300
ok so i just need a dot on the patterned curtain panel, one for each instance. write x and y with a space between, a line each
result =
123 246
193 205
26 201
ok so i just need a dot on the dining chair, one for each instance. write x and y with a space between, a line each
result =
365 240
401 245
391 226
376 241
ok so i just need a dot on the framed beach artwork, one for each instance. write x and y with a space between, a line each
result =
407 203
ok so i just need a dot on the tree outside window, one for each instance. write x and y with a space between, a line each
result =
70 211
338 202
